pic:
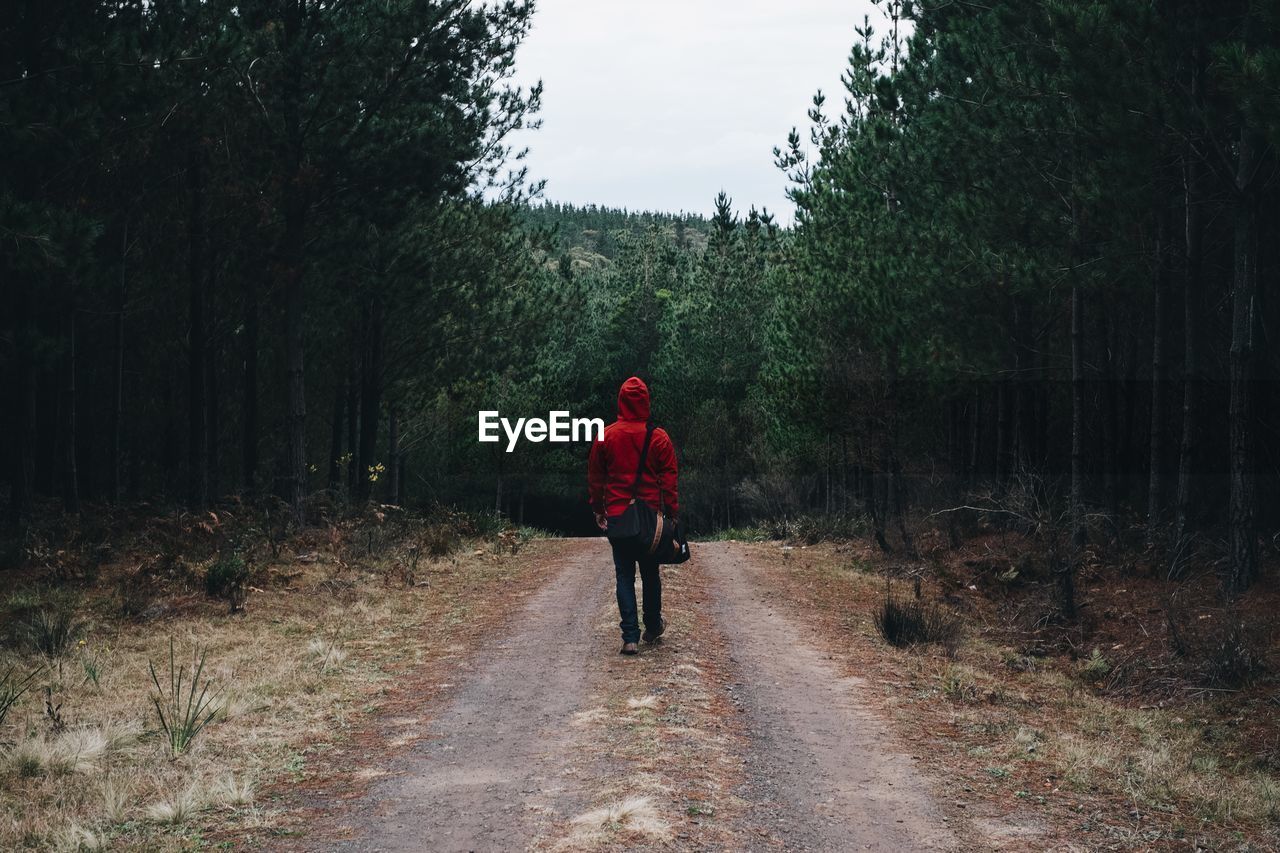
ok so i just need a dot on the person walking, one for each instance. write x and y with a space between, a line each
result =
611 473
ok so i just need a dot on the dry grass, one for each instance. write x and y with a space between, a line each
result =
235 790
177 808
320 640
636 815
1042 735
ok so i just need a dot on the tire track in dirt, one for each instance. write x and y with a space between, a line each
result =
494 764
823 771
506 761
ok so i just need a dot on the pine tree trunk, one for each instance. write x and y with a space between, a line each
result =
197 472
1130 395
393 456
370 394
1002 433
497 497
1078 536
1193 287
893 492
249 405
70 474
1155 482
1243 534
353 423
117 408
213 410
975 440
1193 325
335 437
295 206
171 484
24 409
296 460
1110 422
1022 458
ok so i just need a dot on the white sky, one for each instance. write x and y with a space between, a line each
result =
660 104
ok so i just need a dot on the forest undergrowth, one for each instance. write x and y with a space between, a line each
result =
1148 719
161 676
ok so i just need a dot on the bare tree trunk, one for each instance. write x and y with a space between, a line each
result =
1155 483
844 474
197 472
213 410
1193 303
893 493
117 409
497 498
249 406
70 475
370 393
335 437
1193 324
1110 422
1002 432
295 206
297 411
1244 321
975 439
24 410
353 423
393 456
172 484
1078 536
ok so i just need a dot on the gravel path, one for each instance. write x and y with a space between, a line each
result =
823 773
500 768
495 757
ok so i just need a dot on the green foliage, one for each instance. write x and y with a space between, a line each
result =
439 540
227 578
812 529
1235 656
183 703
12 687
94 667
53 628
1095 667
908 623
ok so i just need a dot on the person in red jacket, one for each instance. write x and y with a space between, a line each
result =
611 470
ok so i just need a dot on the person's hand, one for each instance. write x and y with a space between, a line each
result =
602 521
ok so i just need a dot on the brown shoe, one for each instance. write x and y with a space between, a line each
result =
629 649
651 635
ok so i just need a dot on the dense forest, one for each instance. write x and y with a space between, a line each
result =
286 251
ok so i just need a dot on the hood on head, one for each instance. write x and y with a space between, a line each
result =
633 400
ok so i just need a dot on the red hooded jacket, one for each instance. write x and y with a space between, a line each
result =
611 467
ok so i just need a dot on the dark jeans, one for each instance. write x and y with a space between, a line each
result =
624 566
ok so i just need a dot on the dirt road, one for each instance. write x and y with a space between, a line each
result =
733 733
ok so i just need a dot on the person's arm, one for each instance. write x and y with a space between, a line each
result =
597 476
665 467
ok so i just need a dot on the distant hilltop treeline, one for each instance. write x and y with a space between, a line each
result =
590 233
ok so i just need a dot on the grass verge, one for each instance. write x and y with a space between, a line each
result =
1045 740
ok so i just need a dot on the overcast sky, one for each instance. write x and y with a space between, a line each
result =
660 104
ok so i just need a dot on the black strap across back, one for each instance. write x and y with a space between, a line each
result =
644 452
